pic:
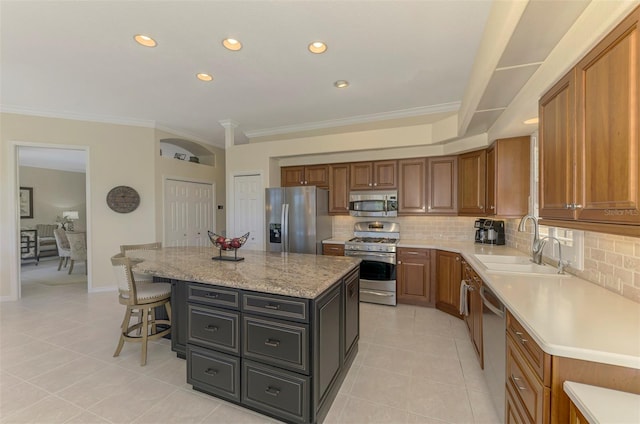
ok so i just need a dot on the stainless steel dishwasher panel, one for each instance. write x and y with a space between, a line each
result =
495 346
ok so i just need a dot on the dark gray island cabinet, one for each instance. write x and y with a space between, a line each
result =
280 355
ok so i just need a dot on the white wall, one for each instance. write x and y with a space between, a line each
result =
117 155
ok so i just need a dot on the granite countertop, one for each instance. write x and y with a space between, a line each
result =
566 315
600 405
289 274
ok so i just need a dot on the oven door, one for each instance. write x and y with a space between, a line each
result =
377 277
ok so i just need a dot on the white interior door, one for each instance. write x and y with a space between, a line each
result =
248 210
189 213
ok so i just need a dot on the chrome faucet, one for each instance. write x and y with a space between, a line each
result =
561 263
537 245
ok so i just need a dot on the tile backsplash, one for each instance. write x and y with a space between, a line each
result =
610 261
415 227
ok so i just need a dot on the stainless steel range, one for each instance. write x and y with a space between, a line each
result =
375 243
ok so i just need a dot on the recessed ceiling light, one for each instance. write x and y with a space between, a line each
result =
341 84
317 47
145 40
204 77
531 121
232 44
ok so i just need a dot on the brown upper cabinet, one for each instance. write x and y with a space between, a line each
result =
508 177
472 171
442 185
339 189
412 193
379 175
313 175
589 135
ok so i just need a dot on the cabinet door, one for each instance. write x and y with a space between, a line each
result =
471 183
414 277
385 174
351 311
442 185
411 196
339 189
508 177
448 277
360 176
179 318
556 150
317 175
328 337
291 176
608 114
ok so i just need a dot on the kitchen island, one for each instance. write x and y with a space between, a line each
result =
276 332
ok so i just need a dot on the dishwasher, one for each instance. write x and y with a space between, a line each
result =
495 345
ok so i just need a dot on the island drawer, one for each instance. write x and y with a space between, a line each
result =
212 295
214 328
276 391
214 372
276 306
284 344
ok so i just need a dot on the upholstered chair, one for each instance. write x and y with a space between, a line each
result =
131 249
78 247
64 249
141 297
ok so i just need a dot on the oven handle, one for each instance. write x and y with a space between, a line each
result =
376 293
374 254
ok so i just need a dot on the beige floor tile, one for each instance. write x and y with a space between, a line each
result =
172 371
42 363
349 380
441 401
336 409
443 370
132 400
180 407
363 411
50 410
231 414
379 386
86 417
14 397
67 374
482 407
11 356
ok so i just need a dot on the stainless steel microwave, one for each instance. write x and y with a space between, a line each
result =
373 203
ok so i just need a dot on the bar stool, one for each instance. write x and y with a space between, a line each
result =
140 298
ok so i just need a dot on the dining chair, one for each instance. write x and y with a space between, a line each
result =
78 246
141 297
64 249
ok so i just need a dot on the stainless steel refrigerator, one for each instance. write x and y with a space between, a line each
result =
297 219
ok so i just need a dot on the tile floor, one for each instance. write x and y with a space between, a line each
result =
415 365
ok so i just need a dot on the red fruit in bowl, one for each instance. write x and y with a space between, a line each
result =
235 243
220 240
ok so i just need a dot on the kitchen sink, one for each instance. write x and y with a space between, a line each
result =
516 265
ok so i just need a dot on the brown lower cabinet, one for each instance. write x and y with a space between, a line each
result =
448 276
415 275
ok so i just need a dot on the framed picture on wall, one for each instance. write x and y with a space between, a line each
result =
26 202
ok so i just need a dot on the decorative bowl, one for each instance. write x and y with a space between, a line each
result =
224 243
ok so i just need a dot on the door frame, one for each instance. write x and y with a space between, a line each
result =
13 203
231 200
165 178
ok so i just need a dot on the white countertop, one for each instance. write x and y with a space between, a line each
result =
600 405
567 316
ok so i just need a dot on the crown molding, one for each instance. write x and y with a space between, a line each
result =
361 119
107 119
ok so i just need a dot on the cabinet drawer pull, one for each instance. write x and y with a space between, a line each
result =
515 381
211 328
212 295
519 334
272 306
411 253
211 371
273 391
272 343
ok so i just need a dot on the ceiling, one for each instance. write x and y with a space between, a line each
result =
408 62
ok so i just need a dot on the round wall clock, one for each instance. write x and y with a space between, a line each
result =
123 199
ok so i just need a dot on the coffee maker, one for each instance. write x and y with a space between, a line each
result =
489 231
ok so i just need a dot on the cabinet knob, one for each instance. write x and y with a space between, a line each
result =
481 207
399 262
375 184
370 184
492 207
457 258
